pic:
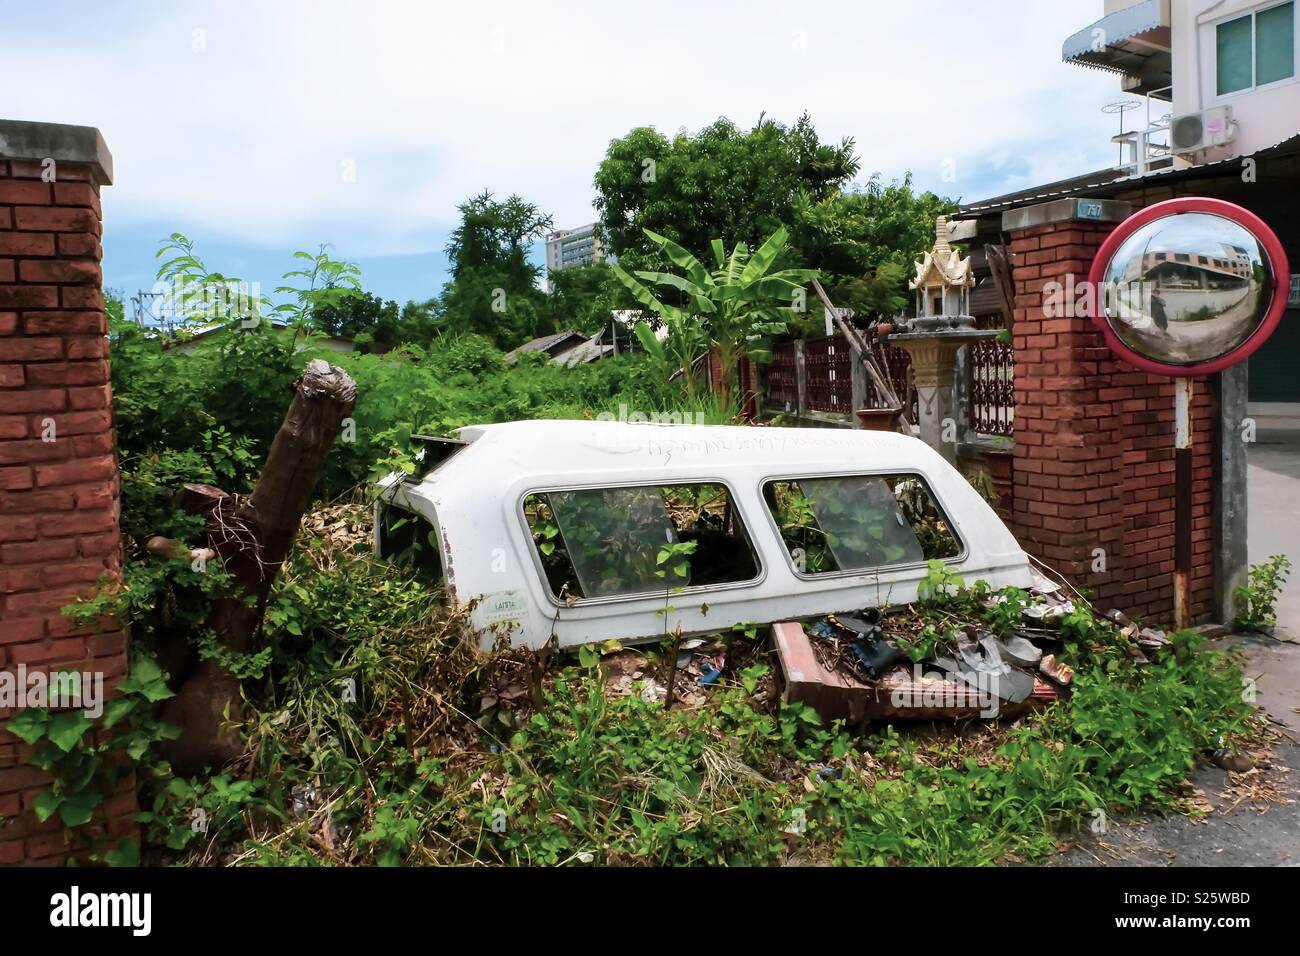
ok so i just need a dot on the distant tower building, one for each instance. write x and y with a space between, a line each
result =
569 248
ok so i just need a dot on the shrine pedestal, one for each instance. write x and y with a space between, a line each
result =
932 343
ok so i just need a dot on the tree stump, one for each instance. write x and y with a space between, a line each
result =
253 536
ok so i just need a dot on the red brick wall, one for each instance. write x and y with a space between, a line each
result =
58 498
1094 461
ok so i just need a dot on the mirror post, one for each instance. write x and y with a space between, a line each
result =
1182 501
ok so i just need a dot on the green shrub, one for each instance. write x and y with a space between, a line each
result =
1257 598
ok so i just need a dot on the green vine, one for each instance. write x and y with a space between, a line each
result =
75 749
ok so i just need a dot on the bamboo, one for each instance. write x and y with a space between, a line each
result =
866 354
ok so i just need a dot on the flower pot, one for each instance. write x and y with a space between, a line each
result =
879 419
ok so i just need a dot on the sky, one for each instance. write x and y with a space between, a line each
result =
260 128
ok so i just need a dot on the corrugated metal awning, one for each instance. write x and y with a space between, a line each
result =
1089 45
1133 42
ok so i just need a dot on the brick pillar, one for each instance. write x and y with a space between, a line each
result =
58 468
1093 469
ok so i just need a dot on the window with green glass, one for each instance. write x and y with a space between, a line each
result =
639 540
1275 44
1256 49
1233 55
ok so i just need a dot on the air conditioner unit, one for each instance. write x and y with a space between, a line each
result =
1193 132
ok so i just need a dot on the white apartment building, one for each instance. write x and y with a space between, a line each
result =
569 248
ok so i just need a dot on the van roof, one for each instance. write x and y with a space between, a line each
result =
475 500
499 454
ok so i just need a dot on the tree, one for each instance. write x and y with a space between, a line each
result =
252 537
722 182
864 241
582 298
497 236
417 323
115 304
738 303
367 318
357 315
878 293
493 290
329 282
484 302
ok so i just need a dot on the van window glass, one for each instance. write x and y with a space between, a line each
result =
615 542
859 522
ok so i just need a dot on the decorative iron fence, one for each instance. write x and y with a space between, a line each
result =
829 362
990 368
782 377
828 374
828 377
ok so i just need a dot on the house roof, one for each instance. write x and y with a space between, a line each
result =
196 333
1108 182
1036 194
554 344
588 351
942 265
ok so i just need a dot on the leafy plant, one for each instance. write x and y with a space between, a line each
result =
187 811
77 750
940 583
673 560
736 304
328 284
1256 600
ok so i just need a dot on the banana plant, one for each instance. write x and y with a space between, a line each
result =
732 307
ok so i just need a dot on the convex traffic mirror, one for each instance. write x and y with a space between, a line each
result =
1188 287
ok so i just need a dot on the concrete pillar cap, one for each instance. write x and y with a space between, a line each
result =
1075 209
36 142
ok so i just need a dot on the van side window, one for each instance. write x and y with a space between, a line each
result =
859 522
617 542
407 539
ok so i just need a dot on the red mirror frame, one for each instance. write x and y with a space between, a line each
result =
1278 263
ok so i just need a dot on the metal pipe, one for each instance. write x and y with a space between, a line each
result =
1182 501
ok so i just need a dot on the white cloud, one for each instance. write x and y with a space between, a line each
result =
248 138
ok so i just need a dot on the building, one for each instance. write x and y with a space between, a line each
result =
1091 470
1224 69
1222 115
570 248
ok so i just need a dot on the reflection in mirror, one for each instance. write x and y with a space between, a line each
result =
1187 288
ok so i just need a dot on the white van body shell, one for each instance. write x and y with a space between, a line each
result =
475 499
